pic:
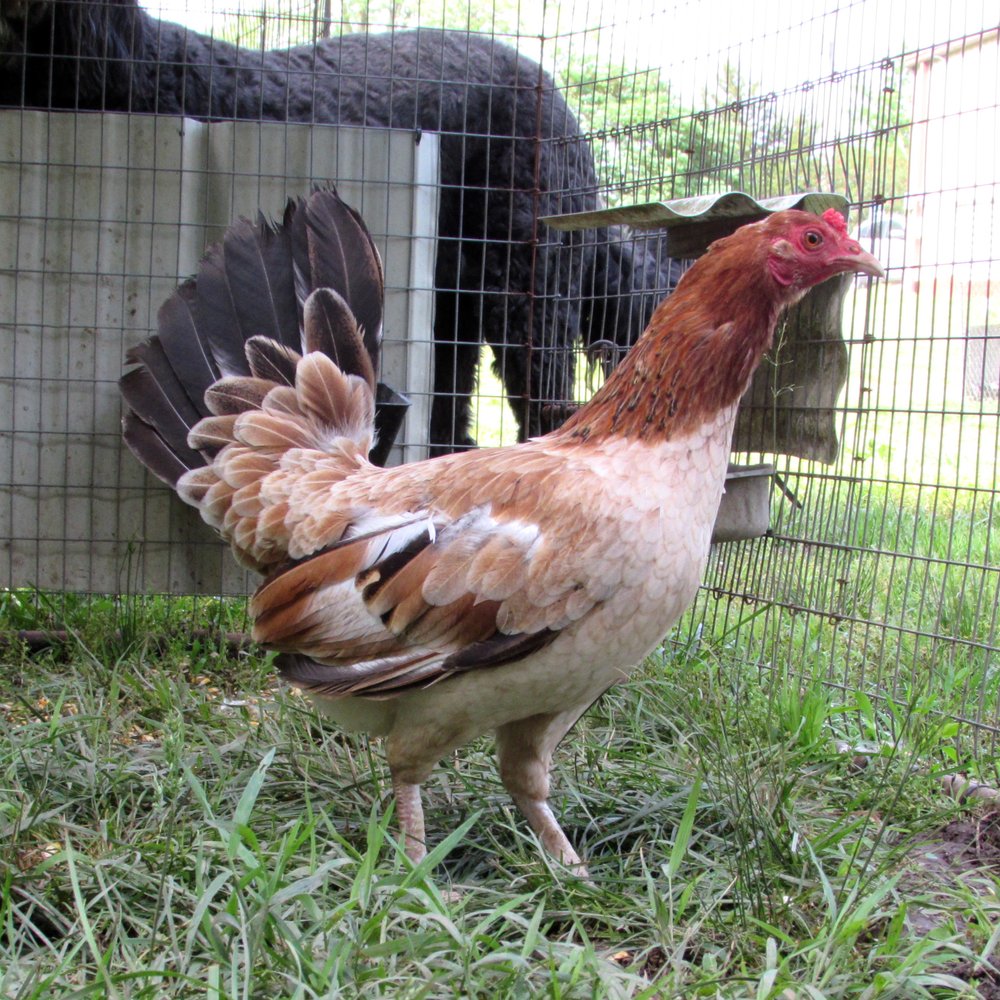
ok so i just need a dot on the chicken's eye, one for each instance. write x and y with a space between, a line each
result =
813 239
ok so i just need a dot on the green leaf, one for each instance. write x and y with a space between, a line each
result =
683 835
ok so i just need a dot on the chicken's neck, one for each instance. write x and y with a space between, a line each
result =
695 358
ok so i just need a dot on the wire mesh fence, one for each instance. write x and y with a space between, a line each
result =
879 574
101 214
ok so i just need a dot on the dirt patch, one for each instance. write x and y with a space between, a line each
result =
986 982
655 959
965 850
970 844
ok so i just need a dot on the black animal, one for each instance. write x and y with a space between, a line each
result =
511 152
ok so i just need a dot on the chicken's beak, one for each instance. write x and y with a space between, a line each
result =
854 259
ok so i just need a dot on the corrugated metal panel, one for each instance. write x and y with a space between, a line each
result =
99 217
697 210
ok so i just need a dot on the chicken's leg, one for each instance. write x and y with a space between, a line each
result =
524 750
410 814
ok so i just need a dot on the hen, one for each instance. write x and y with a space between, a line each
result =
501 589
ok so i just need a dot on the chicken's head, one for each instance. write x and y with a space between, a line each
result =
805 249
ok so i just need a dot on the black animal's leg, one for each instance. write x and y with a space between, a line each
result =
456 356
539 340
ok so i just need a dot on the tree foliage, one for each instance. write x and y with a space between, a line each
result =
846 133
650 146
271 23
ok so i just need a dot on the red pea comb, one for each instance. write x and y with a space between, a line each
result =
832 217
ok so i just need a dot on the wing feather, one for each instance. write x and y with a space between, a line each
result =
401 579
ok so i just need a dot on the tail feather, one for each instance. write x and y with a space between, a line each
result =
237 394
194 487
271 360
151 356
326 414
336 405
215 504
153 451
269 354
326 239
155 407
185 345
273 430
248 467
283 399
213 313
331 328
259 272
212 433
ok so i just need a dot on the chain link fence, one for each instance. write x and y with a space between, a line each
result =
879 574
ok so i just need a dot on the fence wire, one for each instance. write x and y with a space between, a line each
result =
881 571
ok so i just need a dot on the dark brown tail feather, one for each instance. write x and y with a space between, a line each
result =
268 283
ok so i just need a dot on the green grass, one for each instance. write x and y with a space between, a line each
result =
761 808
864 591
173 824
